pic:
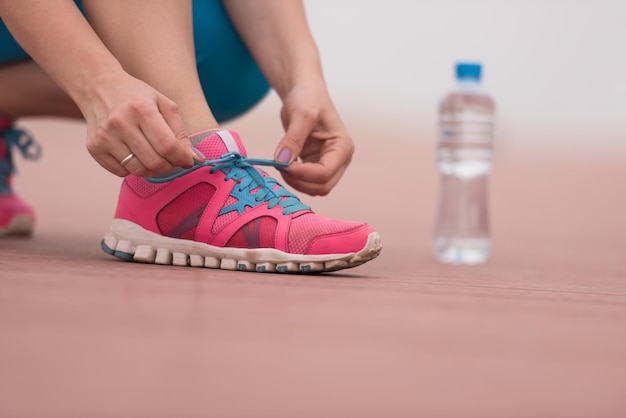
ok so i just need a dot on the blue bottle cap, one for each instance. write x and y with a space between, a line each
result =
468 71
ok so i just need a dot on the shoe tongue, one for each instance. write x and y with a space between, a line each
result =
213 144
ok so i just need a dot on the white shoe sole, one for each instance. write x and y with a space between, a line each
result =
129 241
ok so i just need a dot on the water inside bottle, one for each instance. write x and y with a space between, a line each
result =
455 250
464 156
462 233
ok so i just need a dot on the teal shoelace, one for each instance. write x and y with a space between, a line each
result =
24 143
248 178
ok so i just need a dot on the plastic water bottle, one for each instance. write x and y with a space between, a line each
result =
464 156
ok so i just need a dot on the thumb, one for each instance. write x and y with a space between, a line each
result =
298 130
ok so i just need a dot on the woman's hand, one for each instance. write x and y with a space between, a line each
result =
316 141
124 115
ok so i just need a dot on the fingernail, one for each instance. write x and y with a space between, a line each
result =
201 158
284 156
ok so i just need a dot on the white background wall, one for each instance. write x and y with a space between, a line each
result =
556 68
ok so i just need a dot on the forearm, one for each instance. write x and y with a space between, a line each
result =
58 37
278 36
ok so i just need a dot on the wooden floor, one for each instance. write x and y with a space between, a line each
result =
539 331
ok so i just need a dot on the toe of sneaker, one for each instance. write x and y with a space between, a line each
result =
346 242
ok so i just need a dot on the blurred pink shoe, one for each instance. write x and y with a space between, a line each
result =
227 214
16 216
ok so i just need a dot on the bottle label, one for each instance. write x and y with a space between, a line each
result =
466 127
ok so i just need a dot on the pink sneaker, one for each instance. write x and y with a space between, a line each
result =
227 214
16 216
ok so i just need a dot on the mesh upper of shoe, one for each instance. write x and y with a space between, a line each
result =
181 214
143 188
311 225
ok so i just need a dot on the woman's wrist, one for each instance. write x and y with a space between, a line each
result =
277 34
294 73
93 86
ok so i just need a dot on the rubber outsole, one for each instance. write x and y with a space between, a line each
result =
129 241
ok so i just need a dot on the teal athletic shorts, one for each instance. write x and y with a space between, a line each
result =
231 80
